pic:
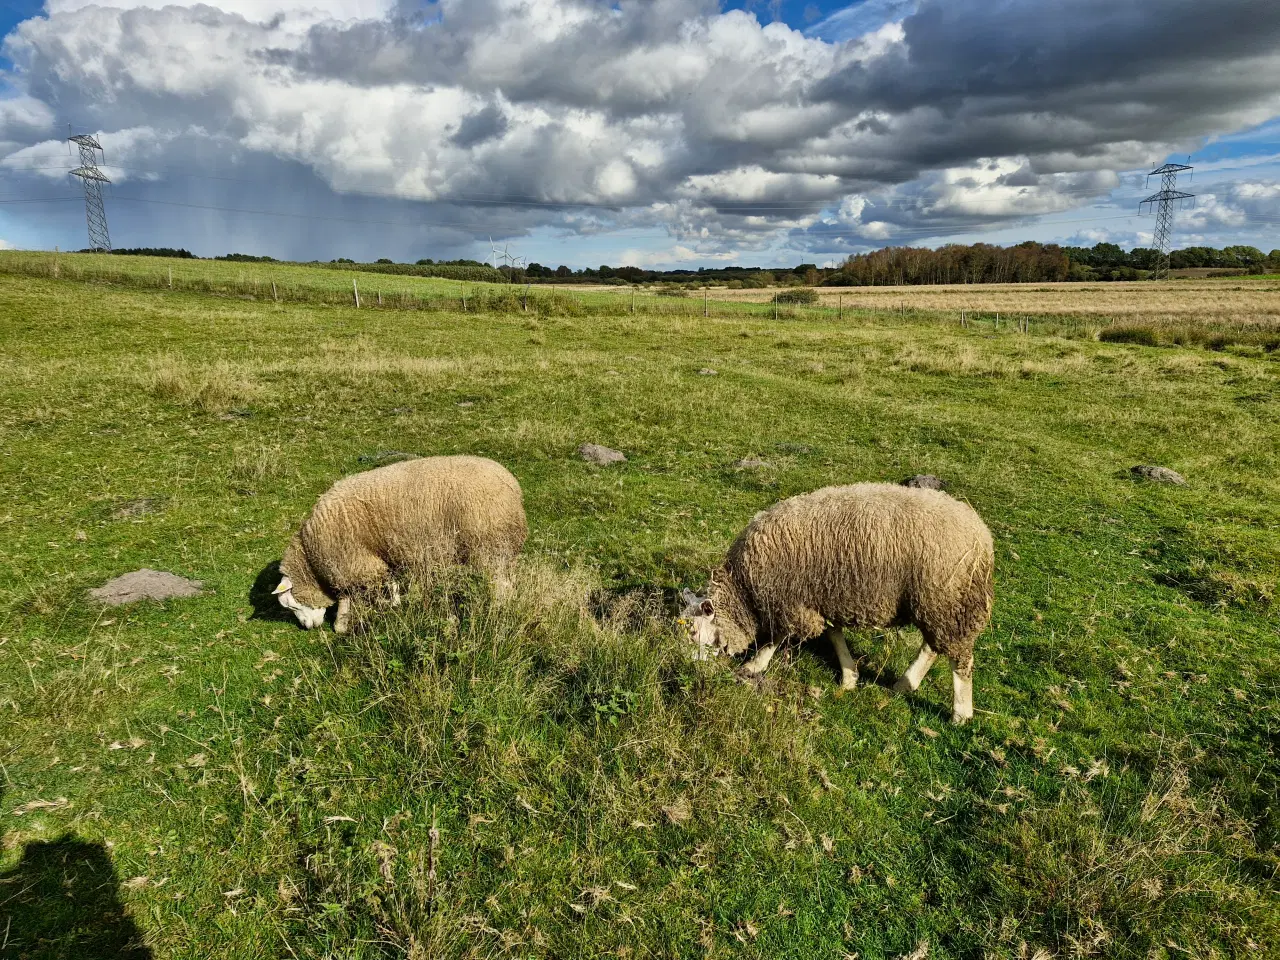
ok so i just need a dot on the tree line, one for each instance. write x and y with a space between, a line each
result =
1028 262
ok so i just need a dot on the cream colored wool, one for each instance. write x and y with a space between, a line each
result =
405 516
867 555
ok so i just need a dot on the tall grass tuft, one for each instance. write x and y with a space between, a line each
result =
540 725
210 388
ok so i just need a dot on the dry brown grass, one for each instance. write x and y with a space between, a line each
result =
1238 300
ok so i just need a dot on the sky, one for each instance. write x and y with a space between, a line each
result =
659 133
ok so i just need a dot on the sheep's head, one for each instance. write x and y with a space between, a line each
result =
309 617
699 619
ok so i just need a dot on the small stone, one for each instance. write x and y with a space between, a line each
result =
145 585
600 456
81 536
466 404
750 463
1158 474
925 481
706 372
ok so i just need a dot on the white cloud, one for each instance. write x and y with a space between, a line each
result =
664 114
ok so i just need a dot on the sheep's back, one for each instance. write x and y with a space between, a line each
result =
861 555
453 509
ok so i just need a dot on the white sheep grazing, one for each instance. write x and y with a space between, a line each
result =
867 555
406 516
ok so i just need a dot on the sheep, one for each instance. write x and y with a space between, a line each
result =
866 555
411 515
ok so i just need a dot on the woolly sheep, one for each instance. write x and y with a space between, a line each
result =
867 555
405 516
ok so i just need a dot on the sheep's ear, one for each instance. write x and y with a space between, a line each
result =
706 608
284 586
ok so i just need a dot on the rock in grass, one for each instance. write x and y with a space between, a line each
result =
750 463
145 585
925 481
1157 474
600 456
706 372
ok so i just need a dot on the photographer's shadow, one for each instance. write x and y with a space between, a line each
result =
63 900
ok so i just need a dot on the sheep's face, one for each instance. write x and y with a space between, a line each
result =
699 619
309 617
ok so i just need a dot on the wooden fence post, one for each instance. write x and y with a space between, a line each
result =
171 276
356 291
525 304
839 306
704 302
379 298
274 294
775 304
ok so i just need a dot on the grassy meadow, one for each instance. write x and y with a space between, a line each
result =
537 770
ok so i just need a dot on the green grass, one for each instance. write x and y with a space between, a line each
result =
207 779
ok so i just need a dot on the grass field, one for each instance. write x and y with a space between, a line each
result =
541 773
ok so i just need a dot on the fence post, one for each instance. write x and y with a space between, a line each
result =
356 291
274 295
775 304
171 276
55 262
997 326
633 299
379 298
525 304
839 306
704 302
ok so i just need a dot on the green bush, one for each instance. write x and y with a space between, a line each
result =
800 295
1138 333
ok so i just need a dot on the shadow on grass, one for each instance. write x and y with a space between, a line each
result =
62 900
264 602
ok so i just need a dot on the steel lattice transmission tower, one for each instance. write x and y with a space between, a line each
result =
93 179
1162 203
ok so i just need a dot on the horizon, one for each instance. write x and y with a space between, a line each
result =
672 135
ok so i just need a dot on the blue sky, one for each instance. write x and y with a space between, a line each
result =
662 132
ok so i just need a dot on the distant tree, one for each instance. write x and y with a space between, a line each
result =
154 252
248 258
384 260
425 263
563 271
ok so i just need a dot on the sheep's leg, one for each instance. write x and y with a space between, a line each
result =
848 666
962 680
342 622
760 662
914 676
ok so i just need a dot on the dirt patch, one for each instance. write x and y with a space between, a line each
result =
132 509
925 481
145 585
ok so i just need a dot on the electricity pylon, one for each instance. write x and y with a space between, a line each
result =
1162 203
93 179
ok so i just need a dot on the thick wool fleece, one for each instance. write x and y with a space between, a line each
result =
405 516
867 555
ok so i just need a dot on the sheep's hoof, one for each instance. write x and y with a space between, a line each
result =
903 686
849 682
959 719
